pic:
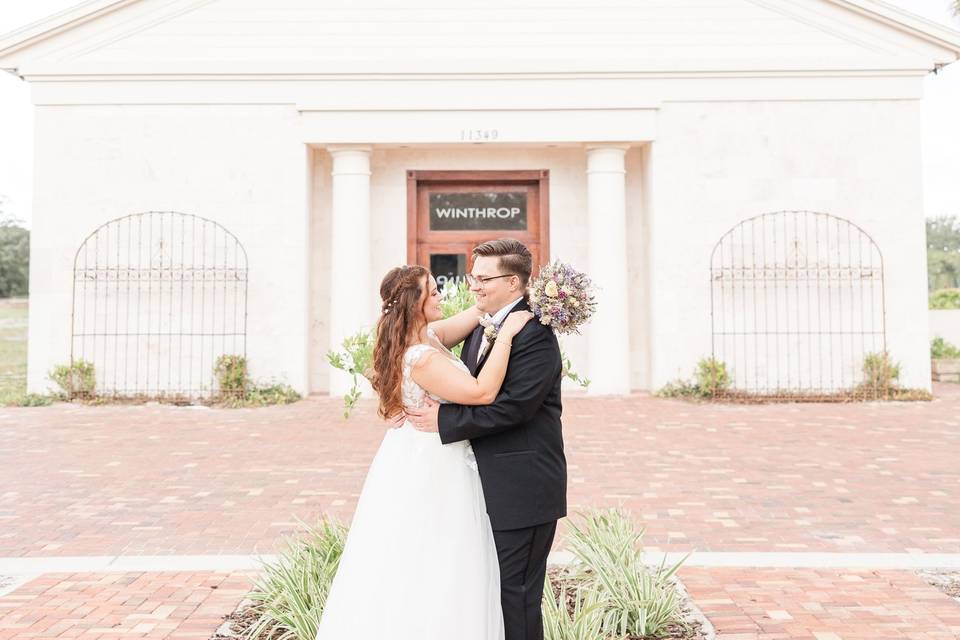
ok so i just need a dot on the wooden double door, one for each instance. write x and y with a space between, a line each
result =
451 212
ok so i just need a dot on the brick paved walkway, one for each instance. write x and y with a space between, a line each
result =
122 605
859 478
769 604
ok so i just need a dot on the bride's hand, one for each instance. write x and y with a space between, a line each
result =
514 322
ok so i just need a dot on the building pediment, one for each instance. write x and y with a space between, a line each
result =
160 37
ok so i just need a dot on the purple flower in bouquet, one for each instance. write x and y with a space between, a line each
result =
562 297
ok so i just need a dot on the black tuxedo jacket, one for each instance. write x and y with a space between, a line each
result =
517 439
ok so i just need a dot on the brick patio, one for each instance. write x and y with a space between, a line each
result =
159 480
121 605
822 604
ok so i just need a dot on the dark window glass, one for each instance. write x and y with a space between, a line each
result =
479 211
448 266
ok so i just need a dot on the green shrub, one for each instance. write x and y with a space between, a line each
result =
269 394
945 299
456 298
230 371
356 358
289 595
879 382
710 378
940 348
568 371
76 379
678 388
637 601
879 372
238 390
21 399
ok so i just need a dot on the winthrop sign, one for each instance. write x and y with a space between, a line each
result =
472 212
479 211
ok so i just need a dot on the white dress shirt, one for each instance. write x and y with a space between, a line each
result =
498 319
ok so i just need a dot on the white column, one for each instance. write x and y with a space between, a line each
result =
608 338
350 286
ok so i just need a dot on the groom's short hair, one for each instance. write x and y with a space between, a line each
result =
514 257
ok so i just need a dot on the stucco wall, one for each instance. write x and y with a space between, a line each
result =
238 165
946 324
715 164
711 165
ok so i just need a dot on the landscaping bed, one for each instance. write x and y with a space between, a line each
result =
947 581
604 593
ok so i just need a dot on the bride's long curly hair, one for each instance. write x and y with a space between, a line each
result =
401 319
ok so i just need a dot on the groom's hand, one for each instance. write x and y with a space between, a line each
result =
397 420
425 419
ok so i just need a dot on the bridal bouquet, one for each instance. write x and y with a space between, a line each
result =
562 297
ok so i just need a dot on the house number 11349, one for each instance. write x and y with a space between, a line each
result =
479 135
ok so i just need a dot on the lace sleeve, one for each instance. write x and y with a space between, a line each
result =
412 392
414 354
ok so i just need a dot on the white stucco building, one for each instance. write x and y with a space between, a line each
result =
650 143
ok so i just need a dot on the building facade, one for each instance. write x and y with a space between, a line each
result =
742 178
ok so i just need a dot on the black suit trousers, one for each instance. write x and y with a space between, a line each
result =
523 567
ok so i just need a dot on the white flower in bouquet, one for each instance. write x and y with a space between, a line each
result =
562 298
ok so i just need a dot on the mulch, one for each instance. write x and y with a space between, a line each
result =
946 581
238 622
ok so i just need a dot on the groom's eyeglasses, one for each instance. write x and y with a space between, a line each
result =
474 281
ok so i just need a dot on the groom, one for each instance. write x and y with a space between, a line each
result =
517 439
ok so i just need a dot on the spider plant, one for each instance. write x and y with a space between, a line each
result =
585 622
290 593
639 600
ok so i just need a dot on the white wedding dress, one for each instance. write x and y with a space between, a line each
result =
420 561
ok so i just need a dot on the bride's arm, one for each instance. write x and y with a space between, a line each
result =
438 374
453 330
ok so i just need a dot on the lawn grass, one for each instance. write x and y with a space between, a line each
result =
13 348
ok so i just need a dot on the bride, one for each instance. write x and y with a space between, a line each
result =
419 561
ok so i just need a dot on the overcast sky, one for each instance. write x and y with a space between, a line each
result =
941 141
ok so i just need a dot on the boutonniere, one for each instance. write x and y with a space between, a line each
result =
490 328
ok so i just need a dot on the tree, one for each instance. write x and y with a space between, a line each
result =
14 255
943 252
